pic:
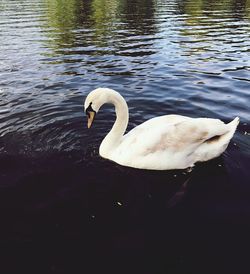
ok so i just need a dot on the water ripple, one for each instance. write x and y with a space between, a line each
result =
179 56
165 57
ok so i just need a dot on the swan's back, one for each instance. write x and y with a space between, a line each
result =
173 142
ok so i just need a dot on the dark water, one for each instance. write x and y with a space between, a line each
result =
63 209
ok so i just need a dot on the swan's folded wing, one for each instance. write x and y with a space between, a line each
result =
182 136
196 131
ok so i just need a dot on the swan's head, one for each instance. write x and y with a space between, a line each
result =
94 101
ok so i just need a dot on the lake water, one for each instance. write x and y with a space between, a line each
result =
63 209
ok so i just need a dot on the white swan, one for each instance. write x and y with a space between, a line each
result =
161 143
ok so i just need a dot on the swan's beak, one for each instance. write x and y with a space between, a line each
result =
91 117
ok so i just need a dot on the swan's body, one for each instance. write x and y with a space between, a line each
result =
161 143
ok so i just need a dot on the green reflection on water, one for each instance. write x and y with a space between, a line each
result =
206 15
100 17
103 17
214 8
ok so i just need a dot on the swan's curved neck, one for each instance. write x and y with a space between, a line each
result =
114 137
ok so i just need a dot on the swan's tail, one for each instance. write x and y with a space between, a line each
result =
233 126
225 138
212 149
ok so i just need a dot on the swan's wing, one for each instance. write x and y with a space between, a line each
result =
147 133
161 144
193 132
182 133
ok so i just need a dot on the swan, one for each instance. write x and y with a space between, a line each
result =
161 143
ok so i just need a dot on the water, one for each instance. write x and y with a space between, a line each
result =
86 214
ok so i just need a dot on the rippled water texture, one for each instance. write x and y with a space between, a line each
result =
186 57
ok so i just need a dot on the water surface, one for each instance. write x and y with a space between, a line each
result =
57 195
